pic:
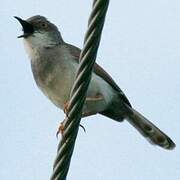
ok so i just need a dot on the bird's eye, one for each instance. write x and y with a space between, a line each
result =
43 25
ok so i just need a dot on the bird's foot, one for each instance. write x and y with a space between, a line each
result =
65 107
60 129
98 97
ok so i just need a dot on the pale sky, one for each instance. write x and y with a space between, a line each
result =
139 48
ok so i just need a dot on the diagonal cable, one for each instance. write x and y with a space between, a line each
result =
79 89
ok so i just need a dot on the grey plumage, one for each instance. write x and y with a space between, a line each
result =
54 65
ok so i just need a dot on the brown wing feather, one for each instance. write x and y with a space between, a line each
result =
75 51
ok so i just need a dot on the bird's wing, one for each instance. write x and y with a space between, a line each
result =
75 51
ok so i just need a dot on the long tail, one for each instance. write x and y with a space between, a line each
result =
149 130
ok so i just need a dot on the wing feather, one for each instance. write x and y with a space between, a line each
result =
75 51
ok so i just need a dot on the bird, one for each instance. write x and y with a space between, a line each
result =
54 64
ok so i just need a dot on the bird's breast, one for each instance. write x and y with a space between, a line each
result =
55 78
54 72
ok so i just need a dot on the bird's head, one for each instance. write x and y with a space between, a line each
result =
39 32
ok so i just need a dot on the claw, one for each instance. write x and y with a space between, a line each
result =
60 130
65 107
82 127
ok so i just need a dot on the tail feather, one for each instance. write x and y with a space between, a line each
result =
150 131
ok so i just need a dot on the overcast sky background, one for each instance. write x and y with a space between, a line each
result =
140 48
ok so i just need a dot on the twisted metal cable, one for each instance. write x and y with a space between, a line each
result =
79 89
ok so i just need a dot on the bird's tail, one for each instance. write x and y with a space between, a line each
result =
150 131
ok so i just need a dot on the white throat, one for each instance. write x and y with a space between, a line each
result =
37 42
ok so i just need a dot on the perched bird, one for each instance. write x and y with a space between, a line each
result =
54 64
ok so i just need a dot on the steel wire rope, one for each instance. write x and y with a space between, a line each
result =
79 89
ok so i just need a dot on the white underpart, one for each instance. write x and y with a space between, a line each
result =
58 95
98 85
37 41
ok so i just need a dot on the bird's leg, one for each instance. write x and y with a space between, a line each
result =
65 107
60 129
61 126
97 98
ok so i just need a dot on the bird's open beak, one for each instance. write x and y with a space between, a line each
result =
28 29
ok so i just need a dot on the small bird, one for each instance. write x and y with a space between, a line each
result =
54 65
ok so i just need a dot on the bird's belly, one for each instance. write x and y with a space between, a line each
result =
56 83
58 89
101 93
